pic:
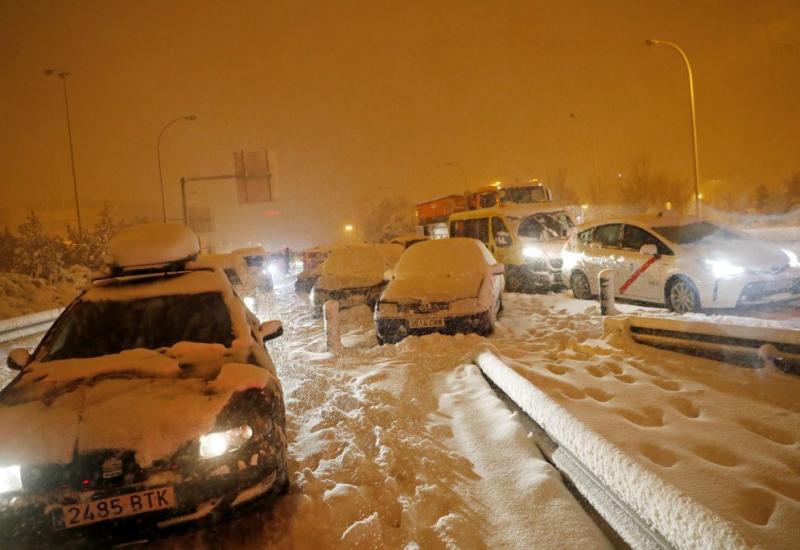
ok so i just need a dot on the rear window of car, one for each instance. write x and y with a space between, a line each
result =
105 327
254 261
607 236
476 229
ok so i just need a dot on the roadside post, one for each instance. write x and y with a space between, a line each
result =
607 306
330 312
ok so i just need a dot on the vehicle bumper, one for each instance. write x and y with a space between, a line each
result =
347 297
393 329
532 277
749 291
33 516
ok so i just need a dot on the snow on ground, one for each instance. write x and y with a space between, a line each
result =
726 436
399 446
21 294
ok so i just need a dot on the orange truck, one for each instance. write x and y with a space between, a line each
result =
433 215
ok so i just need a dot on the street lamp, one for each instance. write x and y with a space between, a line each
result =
652 42
158 153
463 173
62 74
594 152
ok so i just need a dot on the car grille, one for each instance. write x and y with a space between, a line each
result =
424 307
556 263
95 470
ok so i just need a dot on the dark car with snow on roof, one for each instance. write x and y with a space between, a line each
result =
150 402
354 275
446 285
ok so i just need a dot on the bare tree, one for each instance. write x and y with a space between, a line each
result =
649 189
561 190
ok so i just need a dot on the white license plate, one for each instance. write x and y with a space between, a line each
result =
425 323
93 511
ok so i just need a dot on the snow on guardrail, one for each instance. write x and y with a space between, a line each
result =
25 325
754 346
681 521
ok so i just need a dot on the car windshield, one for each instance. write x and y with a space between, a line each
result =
546 226
695 232
96 328
523 195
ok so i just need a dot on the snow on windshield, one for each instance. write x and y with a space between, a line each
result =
453 257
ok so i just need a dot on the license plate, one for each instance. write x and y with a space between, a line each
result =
425 323
75 515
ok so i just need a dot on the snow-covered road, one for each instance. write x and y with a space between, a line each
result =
400 446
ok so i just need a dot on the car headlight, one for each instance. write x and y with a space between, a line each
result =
273 269
532 252
723 268
793 261
218 443
10 479
264 271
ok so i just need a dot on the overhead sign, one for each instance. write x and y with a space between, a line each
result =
253 176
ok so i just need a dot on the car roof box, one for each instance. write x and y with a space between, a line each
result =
152 247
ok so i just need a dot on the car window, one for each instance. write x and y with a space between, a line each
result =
254 261
634 238
530 227
607 236
585 237
694 232
232 276
105 327
476 229
500 234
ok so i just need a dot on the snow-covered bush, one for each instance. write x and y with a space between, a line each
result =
389 218
38 254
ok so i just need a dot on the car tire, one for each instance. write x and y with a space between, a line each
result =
681 296
579 283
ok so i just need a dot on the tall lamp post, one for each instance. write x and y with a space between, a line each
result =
653 42
594 152
62 74
158 153
463 173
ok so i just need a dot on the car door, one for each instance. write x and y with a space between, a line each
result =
500 241
602 253
640 274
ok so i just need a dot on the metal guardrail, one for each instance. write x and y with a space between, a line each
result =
747 345
26 325
641 523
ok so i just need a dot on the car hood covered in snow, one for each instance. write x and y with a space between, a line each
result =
147 401
329 281
430 289
750 254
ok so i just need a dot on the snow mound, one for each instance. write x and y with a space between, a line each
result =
152 244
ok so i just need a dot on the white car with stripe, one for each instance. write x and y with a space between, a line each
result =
687 264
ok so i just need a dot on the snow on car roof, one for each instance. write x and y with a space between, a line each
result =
457 255
152 244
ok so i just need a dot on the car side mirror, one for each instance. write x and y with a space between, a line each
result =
269 330
18 359
498 269
649 250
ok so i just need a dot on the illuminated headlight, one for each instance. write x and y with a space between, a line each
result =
273 269
532 252
723 268
10 479
793 261
264 271
250 302
386 308
218 443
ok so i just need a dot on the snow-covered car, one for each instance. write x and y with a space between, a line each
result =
235 269
444 285
354 275
684 263
313 258
151 401
259 271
